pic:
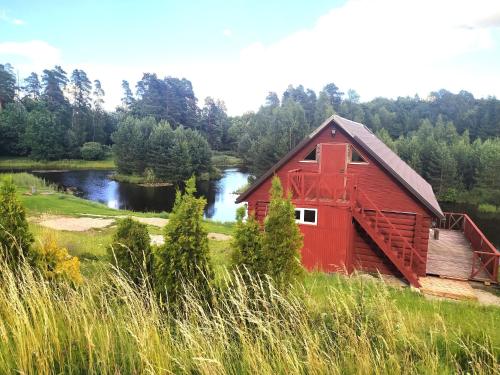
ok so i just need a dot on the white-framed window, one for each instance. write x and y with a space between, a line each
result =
307 216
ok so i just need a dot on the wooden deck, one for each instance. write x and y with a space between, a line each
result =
451 256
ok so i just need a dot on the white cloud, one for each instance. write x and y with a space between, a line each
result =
227 32
6 18
378 47
33 55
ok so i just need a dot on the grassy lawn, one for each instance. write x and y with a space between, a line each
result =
329 323
464 318
422 315
16 163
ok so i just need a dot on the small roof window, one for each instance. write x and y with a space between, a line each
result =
355 156
311 156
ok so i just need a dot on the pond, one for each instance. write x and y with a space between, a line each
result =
96 185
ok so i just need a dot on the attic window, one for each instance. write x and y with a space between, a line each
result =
311 156
356 156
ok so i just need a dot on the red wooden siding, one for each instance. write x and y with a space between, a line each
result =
336 242
325 244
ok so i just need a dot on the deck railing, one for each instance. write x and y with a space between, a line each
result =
485 256
311 186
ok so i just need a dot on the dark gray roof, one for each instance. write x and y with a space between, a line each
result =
413 182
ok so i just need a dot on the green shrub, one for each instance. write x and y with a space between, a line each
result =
184 258
130 250
487 208
15 237
92 151
247 245
282 240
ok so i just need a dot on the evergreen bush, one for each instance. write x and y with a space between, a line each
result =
130 250
15 237
184 258
247 245
282 240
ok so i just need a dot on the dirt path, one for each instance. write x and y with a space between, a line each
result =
486 298
75 224
82 224
157 239
154 221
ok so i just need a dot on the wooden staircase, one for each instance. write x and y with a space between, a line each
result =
387 237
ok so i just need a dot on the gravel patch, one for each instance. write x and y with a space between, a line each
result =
76 224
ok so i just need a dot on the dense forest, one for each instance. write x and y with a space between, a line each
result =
453 140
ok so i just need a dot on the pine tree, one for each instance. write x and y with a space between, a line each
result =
54 82
282 239
98 133
247 245
15 237
33 88
128 98
130 250
7 85
45 135
214 122
160 151
13 120
184 257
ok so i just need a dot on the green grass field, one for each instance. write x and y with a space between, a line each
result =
19 163
331 324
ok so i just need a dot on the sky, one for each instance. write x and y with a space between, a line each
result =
238 51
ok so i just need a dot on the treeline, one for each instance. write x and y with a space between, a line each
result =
173 100
149 148
452 140
159 131
51 117
456 167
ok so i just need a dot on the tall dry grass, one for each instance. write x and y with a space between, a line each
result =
107 326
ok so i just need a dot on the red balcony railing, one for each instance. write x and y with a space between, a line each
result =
311 186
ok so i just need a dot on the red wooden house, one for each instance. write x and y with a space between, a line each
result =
359 206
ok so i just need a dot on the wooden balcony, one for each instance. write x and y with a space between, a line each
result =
310 186
462 251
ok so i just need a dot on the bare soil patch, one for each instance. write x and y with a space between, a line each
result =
219 237
155 221
157 239
76 224
486 298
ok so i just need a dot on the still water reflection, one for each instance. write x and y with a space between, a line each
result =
96 186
